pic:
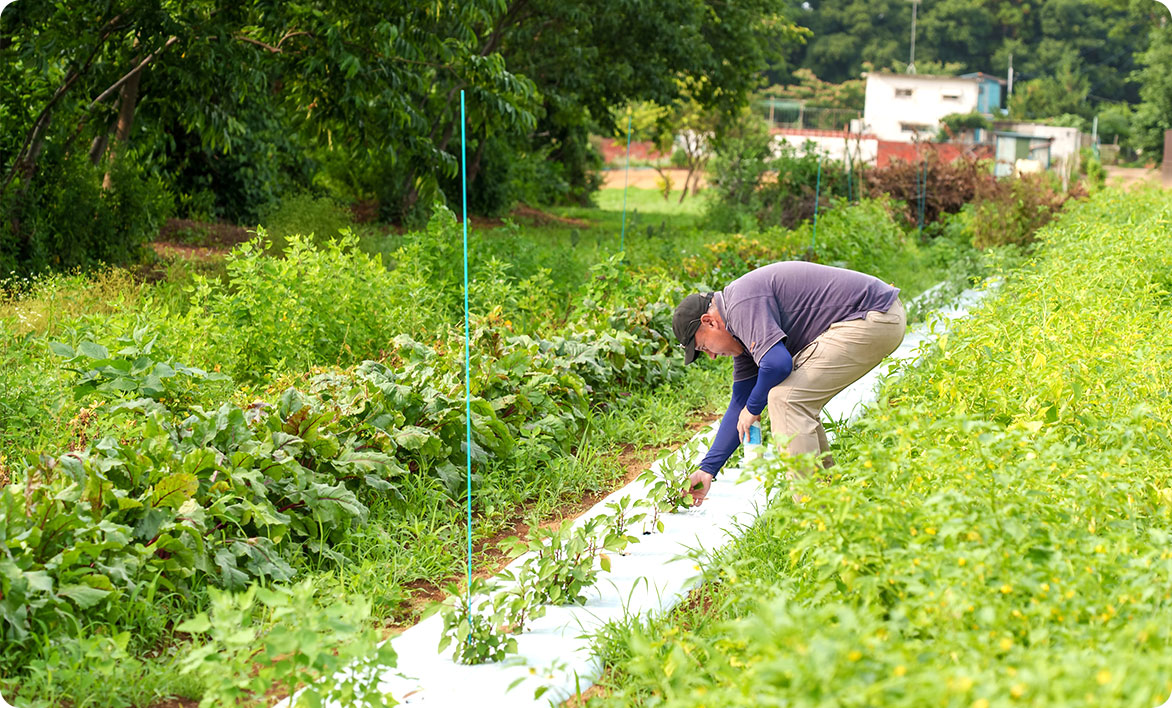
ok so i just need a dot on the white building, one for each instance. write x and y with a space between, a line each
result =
902 107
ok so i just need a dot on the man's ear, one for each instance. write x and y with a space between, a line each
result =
707 319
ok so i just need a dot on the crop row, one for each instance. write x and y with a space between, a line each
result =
997 532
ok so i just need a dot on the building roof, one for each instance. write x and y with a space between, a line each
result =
925 77
1011 134
984 77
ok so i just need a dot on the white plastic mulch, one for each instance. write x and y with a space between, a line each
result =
554 653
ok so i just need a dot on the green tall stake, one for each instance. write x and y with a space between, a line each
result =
467 357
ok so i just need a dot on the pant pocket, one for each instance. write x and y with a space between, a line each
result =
883 317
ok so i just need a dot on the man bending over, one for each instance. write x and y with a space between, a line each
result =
799 333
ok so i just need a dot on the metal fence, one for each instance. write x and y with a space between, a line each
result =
795 114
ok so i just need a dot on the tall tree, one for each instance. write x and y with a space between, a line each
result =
1153 116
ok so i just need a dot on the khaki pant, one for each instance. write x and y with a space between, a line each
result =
837 358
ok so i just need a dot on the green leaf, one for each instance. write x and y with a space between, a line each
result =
173 490
62 349
83 596
199 624
93 350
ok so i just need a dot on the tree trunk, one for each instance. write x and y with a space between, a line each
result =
129 101
474 168
99 145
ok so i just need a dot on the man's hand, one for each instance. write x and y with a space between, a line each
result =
745 420
699 482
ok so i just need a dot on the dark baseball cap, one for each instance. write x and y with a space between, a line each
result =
686 320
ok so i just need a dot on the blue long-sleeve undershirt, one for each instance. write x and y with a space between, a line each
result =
772 370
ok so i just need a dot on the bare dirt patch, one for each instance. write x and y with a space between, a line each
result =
523 213
1130 177
210 234
646 178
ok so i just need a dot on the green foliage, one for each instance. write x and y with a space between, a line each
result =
756 185
264 639
66 219
987 537
1115 124
954 126
667 484
816 93
473 629
1012 210
304 214
1092 168
1152 116
310 307
131 373
1062 94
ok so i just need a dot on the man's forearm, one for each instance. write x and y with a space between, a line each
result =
726 440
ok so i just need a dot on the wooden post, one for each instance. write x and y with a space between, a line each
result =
1166 172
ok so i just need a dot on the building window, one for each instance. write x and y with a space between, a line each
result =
903 93
914 127
952 97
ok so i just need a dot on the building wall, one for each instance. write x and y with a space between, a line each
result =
889 151
1066 142
896 102
834 144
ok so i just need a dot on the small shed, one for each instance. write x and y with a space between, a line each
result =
1009 147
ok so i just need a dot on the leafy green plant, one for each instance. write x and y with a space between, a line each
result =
562 564
620 517
475 629
667 484
265 639
131 372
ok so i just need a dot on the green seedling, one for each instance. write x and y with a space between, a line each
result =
667 483
624 513
475 629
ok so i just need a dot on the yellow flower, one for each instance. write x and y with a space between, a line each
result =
1006 644
961 561
1103 677
931 530
1006 589
900 670
855 655
981 703
1017 690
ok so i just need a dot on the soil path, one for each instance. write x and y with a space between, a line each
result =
1128 177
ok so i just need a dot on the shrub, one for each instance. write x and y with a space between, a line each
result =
1009 211
66 219
947 186
313 306
304 214
755 185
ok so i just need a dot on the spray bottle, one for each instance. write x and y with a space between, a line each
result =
752 442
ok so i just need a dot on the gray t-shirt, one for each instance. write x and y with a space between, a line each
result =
794 302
